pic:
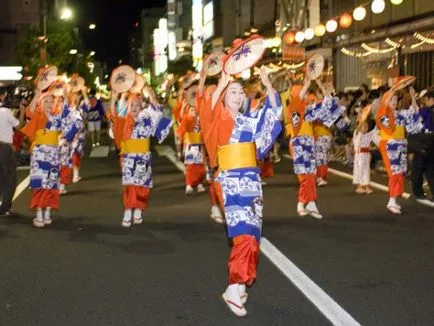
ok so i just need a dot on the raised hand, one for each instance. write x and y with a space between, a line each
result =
264 78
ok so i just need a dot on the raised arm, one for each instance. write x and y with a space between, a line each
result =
34 102
113 99
267 84
223 82
413 99
321 86
305 88
202 79
152 96
84 93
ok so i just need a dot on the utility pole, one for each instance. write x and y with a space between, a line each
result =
43 26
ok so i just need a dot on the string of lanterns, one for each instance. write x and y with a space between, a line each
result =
393 46
424 39
345 20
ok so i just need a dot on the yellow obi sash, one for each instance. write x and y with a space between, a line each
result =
305 130
321 130
43 137
136 146
399 133
236 156
193 138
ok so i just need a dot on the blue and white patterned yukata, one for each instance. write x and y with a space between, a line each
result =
71 124
45 159
326 112
193 153
136 167
397 148
80 139
242 190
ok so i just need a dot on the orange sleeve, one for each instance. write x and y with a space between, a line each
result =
187 125
38 121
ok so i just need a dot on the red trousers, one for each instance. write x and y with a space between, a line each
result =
135 197
65 175
194 174
213 194
43 198
396 185
396 181
267 169
307 189
76 160
322 171
244 256
243 260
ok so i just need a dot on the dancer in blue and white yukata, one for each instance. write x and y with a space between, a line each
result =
140 125
234 143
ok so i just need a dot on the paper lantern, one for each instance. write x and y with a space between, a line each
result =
396 2
320 30
289 37
346 20
359 13
331 26
299 37
377 6
309 33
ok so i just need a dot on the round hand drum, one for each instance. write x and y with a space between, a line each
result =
244 55
315 66
122 78
139 83
403 82
191 95
46 77
77 83
214 63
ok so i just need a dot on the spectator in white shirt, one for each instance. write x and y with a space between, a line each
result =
8 175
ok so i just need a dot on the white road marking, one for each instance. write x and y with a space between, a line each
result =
21 187
379 186
23 168
99 152
169 152
328 307
325 304
375 185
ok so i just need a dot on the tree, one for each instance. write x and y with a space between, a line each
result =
61 39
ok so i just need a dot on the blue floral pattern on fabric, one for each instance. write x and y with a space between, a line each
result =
136 168
242 190
326 112
397 148
45 159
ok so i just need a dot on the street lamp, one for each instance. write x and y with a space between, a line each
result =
92 26
66 13
73 51
92 53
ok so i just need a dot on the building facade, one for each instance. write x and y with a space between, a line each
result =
14 16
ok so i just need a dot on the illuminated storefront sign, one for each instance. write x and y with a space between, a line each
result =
208 20
10 73
161 36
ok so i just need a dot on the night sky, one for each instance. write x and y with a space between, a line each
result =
115 20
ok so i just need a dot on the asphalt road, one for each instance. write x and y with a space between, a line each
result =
86 269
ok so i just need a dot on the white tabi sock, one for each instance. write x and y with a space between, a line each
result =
300 207
392 201
75 172
128 214
47 214
138 214
39 215
311 206
62 187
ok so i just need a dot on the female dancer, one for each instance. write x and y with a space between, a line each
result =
234 143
